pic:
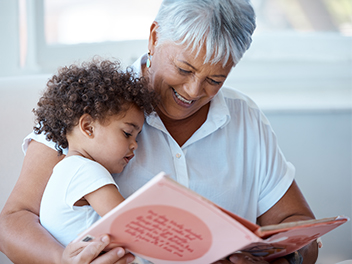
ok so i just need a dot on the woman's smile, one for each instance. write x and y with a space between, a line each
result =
180 100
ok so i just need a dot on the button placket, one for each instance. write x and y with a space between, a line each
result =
180 163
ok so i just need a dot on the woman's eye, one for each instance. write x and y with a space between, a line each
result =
213 82
182 71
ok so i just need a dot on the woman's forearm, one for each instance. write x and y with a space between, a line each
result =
24 240
290 208
310 253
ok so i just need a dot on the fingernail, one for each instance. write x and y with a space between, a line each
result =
120 252
105 239
234 259
130 259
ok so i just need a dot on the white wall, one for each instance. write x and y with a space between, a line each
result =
9 55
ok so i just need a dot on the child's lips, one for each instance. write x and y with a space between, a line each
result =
128 158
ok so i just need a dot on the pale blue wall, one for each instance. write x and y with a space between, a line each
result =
319 144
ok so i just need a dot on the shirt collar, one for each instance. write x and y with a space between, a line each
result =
219 112
137 66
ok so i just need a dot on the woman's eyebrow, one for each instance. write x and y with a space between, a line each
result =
215 75
185 62
219 75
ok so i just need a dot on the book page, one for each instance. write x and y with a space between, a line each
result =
167 223
162 232
294 238
266 231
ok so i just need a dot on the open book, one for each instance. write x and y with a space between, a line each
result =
165 222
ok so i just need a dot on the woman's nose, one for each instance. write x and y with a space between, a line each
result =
193 88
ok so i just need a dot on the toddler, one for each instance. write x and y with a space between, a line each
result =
96 111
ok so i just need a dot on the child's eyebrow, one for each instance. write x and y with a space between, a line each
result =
133 125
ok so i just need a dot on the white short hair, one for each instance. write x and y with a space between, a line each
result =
225 27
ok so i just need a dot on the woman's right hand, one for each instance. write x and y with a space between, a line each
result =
88 252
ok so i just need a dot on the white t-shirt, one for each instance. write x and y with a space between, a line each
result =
72 178
233 159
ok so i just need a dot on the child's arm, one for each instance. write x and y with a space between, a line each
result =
104 199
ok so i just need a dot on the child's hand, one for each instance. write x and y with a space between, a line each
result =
89 252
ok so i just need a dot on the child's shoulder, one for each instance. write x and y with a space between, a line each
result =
76 161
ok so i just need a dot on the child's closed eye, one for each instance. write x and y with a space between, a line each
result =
127 134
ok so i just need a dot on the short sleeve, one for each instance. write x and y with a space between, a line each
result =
276 172
274 191
89 177
41 138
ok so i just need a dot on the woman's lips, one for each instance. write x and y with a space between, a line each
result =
181 100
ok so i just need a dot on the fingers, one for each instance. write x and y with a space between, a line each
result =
242 258
246 258
114 256
222 261
92 249
72 253
89 252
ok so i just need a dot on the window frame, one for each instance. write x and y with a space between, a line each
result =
285 63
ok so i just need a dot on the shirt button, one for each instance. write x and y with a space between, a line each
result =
178 155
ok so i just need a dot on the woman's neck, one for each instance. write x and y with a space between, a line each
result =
182 130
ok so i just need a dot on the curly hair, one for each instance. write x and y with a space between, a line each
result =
98 88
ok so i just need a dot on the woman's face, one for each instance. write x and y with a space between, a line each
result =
183 81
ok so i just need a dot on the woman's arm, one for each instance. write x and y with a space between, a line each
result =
292 207
22 238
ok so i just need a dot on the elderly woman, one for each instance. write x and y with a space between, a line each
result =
211 139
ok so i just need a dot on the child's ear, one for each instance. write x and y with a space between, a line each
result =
86 125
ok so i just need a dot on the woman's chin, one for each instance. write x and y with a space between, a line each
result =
175 113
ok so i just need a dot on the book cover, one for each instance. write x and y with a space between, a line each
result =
165 222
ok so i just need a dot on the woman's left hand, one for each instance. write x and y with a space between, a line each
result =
242 258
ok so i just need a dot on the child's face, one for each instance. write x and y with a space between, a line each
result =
115 140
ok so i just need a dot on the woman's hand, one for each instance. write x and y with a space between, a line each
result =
242 258
88 252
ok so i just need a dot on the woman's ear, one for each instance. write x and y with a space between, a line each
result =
153 37
86 125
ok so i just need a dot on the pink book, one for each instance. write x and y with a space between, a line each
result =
166 223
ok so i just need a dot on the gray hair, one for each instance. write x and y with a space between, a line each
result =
225 27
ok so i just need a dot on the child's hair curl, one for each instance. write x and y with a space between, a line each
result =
98 88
